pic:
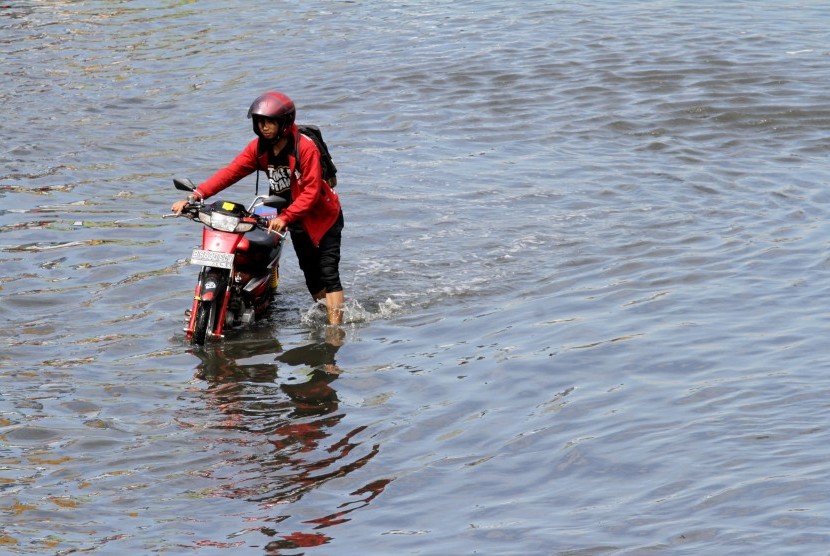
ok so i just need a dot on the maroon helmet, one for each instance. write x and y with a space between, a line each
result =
276 106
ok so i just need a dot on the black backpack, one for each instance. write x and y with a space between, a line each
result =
329 169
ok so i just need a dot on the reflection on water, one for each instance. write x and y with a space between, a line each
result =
301 421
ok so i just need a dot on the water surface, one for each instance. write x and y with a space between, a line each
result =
585 258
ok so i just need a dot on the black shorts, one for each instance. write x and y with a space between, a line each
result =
320 265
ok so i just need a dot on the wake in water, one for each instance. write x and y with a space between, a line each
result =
353 313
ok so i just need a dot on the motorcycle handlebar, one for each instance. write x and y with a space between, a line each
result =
191 210
262 223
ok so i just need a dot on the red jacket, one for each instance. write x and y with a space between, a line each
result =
314 204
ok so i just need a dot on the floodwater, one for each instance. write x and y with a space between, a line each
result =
585 256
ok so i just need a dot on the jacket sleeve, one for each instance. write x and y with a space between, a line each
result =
243 165
311 183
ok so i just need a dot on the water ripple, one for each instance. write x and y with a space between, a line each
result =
584 256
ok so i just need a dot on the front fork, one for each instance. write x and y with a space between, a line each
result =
209 295
194 309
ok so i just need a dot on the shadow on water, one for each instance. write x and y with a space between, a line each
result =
294 434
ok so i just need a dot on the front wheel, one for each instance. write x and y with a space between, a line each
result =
201 324
206 314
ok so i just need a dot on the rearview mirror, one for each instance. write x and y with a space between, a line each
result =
183 184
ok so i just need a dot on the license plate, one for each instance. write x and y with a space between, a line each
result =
211 258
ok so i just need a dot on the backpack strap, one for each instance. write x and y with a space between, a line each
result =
297 152
328 170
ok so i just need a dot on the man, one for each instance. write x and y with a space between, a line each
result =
314 216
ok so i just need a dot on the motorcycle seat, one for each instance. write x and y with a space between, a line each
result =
259 240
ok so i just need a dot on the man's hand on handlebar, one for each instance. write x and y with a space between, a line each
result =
179 206
276 225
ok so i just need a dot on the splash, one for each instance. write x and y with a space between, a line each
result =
353 313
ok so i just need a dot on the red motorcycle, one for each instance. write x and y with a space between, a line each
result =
239 260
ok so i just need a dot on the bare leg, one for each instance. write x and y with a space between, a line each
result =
319 295
334 306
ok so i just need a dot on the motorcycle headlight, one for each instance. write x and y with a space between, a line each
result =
223 222
244 226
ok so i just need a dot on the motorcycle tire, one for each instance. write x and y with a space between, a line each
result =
207 313
201 324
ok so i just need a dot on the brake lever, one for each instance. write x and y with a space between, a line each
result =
263 223
190 210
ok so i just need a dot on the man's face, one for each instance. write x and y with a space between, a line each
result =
268 127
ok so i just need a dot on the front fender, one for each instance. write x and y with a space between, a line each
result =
213 283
